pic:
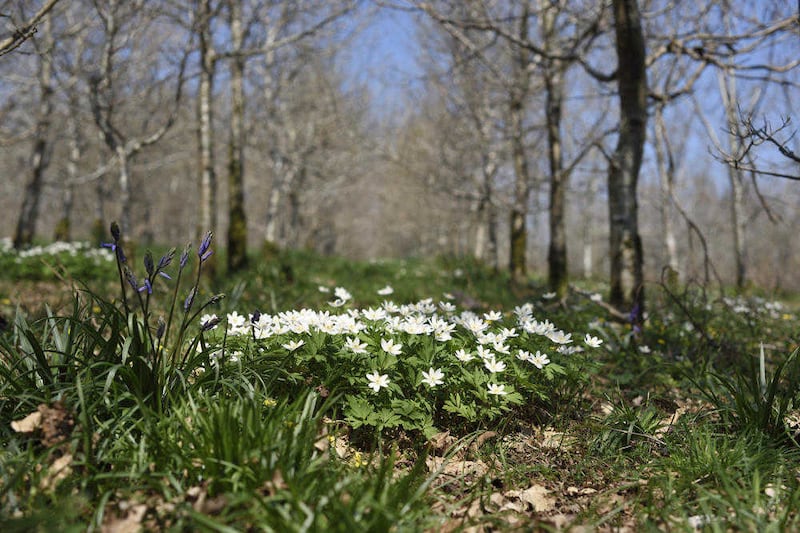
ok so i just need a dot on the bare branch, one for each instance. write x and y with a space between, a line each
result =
25 31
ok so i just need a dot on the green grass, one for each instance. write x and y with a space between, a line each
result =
670 428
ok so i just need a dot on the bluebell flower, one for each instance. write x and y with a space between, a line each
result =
185 256
117 249
165 260
149 266
147 286
131 277
189 299
203 252
209 324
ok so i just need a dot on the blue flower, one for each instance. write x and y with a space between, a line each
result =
146 287
185 256
203 252
189 299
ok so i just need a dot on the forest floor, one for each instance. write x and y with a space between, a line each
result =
690 424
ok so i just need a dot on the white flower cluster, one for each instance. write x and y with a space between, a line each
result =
72 249
393 324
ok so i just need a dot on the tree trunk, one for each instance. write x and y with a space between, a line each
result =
666 174
586 230
625 244
237 229
42 147
205 121
519 210
519 234
63 230
558 278
123 160
730 99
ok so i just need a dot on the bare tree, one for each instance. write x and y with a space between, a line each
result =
22 31
42 144
104 96
625 243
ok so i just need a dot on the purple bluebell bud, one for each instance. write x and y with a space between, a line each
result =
149 266
203 252
633 316
115 233
165 260
146 287
255 317
162 327
187 304
117 249
165 275
185 256
209 324
131 277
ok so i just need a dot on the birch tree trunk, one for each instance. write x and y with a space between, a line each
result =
625 243
519 210
42 146
558 277
237 221
63 230
730 99
205 121
666 174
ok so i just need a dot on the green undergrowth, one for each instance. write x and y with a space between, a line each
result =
152 410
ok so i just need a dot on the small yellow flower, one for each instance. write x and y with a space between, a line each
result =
5 301
357 461
95 309
785 316
270 402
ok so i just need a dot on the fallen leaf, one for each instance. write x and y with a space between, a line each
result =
29 424
441 441
556 440
57 424
277 483
130 523
456 468
482 438
575 491
58 471
536 497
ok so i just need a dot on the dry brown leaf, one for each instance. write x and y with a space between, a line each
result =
442 441
562 521
130 523
537 497
277 483
481 440
456 468
29 424
58 471
57 424
668 422
575 491
556 440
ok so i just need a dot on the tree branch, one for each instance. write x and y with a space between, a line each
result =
24 32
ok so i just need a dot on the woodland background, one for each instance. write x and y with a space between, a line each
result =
406 128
